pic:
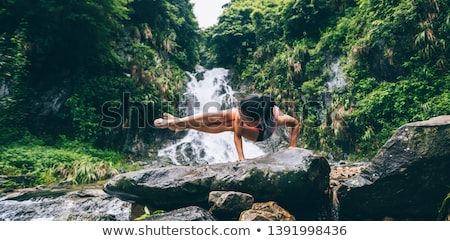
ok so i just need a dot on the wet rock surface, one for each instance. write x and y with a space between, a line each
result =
61 204
266 211
294 178
228 205
191 213
341 171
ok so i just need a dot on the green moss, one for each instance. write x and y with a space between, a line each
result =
125 184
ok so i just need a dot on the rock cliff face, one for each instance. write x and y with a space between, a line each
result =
408 178
294 178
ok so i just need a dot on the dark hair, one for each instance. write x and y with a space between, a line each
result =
258 107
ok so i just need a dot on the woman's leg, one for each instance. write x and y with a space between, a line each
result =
167 116
205 122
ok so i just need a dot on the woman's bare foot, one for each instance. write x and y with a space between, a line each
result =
167 122
161 123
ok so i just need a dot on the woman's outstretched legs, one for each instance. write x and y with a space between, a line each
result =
205 122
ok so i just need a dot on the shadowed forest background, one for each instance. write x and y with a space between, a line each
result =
60 61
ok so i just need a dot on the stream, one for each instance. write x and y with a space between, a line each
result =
81 203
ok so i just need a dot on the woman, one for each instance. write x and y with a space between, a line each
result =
256 119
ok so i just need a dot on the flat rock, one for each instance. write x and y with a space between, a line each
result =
295 178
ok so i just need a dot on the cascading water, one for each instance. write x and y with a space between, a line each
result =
4 90
337 77
60 204
211 94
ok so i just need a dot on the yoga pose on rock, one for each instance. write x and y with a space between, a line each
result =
255 119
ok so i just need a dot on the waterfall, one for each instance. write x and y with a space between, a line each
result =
337 77
210 94
4 90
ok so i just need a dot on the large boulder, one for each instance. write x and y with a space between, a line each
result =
267 211
228 205
408 178
294 178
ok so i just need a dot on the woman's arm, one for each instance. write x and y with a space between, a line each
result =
289 121
238 144
237 130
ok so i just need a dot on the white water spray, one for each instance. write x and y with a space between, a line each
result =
337 77
208 95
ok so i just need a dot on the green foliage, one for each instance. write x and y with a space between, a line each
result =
148 213
84 117
170 25
26 165
62 61
236 32
305 19
391 53
67 36
393 66
87 53
13 65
